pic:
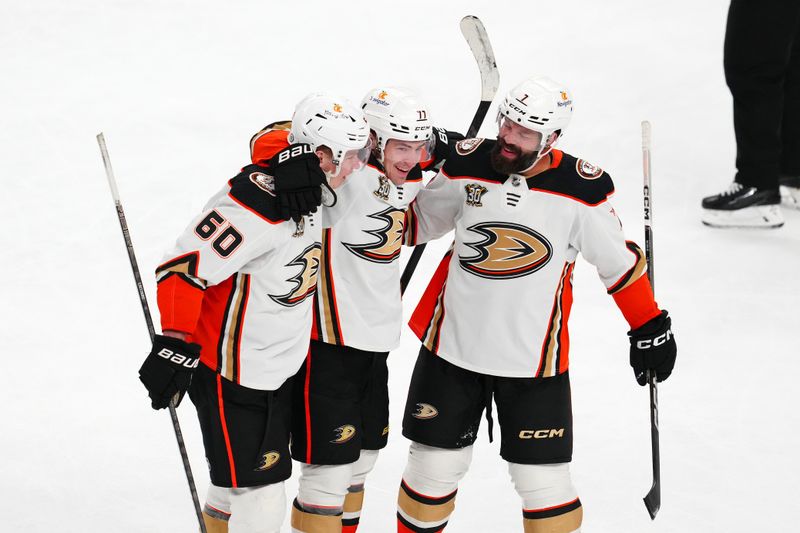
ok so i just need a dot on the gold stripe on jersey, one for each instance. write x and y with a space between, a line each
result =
185 266
329 331
551 348
410 227
635 272
233 327
431 340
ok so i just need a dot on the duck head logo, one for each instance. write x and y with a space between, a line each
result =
506 251
390 236
344 434
305 281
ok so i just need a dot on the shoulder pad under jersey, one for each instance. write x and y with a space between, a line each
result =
269 141
254 189
470 158
574 178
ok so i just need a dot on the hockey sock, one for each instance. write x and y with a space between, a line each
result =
418 513
354 500
550 503
216 521
564 518
309 519
353 503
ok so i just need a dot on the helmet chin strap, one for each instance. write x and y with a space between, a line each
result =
544 150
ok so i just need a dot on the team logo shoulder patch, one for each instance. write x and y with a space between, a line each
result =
265 182
467 146
507 251
269 460
474 193
587 170
343 434
425 411
305 281
390 236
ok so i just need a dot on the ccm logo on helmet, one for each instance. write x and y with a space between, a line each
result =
178 359
646 344
541 433
300 149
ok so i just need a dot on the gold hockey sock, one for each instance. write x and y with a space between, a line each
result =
218 523
564 518
353 503
418 513
316 520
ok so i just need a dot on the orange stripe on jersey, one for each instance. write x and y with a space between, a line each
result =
552 347
210 326
224 425
179 302
566 307
637 303
307 404
268 142
571 197
423 314
473 178
556 160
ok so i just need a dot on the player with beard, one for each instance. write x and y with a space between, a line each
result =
341 399
493 320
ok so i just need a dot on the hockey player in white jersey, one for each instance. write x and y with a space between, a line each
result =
493 320
236 294
341 411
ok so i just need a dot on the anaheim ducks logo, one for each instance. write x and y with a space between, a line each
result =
390 237
467 146
425 411
305 280
269 460
265 182
507 251
344 434
587 170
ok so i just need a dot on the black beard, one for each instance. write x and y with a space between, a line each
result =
504 165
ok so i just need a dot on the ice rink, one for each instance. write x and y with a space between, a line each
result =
179 87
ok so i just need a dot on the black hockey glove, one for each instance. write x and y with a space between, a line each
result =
168 369
443 143
653 348
298 181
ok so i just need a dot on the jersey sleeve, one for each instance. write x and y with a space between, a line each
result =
620 264
220 241
433 212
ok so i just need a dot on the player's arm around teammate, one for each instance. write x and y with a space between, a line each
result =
235 292
493 320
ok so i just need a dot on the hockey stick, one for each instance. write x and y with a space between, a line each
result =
478 40
149 320
653 498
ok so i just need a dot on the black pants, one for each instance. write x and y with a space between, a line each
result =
762 68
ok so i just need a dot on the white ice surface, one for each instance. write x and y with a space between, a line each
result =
178 87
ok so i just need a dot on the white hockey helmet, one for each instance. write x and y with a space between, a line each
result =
539 104
397 113
324 120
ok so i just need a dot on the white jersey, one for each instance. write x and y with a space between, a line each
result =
358 298
241 282
500 301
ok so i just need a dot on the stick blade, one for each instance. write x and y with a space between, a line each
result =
653 501
478 40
